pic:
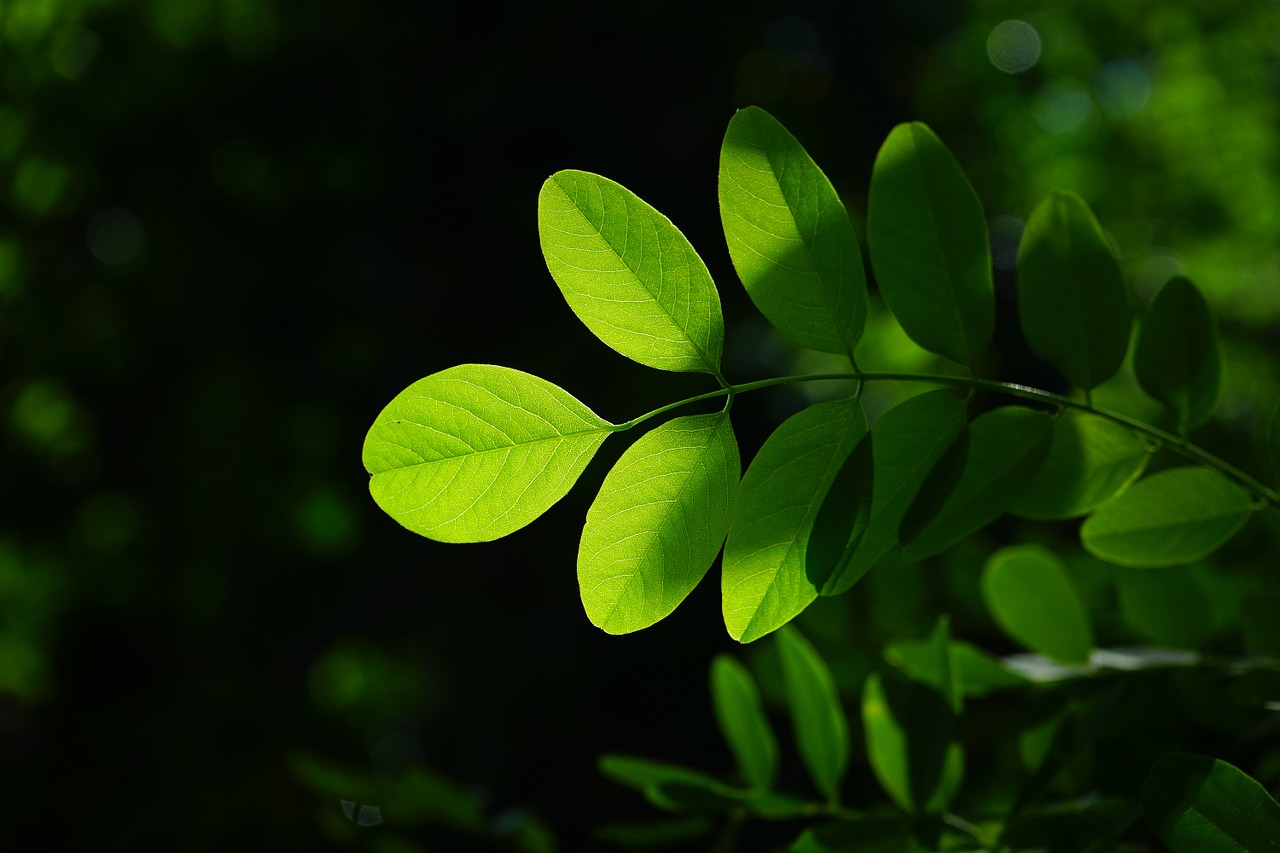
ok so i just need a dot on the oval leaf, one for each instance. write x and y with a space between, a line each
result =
1201 805
976 480
658 521
743 722
669 786
789 236
629 274
475 452
765 584
1071 294
1173 517
919 770
1167 607
822 732
1032 598
858 522
1178 357
1090 461
928 241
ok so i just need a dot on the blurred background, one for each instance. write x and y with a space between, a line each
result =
232 230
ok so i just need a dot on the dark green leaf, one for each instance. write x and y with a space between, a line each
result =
868 835
1033 599
1167 607
1071 294
822 733
928 241
859 519
1173 517
629 274
1090 461
931 662
909 728
1178 357
669 786
765 584
1258 621
475 452
658 521
789 236
980 673
743 722
1201 805
1084 827
976 479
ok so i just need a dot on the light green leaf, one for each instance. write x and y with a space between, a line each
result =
1198 804
1090 461
908 728
1071 294
1168 606
765 583
1032 598
928 241
860 517
1178 357
1170 518
658 521
789 236
743 722
975 481
629 274
475 452
821 730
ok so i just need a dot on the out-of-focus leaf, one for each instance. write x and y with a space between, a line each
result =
1033 599
980 673
908 727
1168 606
1086 827
1258 621
1178 357
743 722
1198 804
821 730
669 786
868 835
1170 518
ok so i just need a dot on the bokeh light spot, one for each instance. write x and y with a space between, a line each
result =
337 679
115 236
326 522
74 51
13 130
1065 110
43 412
1013 46
39 184
1123 88
109 522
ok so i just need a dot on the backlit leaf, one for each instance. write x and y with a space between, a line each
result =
1198 804
821 730
1090 461
789 236
1032 598
978 477
658 521
743 722
928 241
765 582
1172 517
629 274
859 519
1178 357
475 452
1071 294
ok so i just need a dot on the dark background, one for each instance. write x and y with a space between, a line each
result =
232 231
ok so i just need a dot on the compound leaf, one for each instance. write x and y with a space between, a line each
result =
1173 517
1032 598
789 236
1071 294
1090 461
858 521
821 730
979 476
629 274
743 722
475 452
928 241
1202 805
658 521
1178 357
765 583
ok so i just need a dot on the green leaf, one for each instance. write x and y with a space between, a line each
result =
1032 598
908 728
1166 607
1173 517
864 507
789 236
978 477
629 274
1071 294
1178 357
475 452
980 673
669 786
765 583
1201 805
1090 461
743 722
931 662
658 521
1273 445
928 241
821 731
